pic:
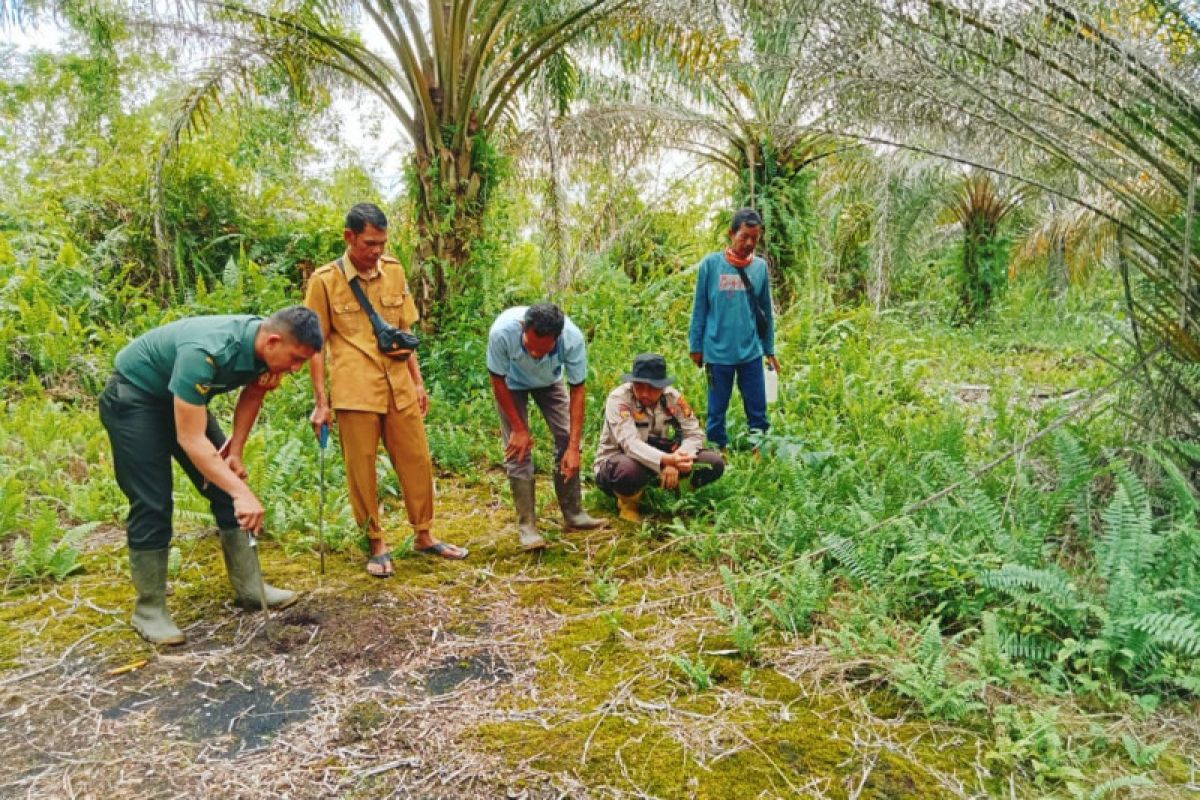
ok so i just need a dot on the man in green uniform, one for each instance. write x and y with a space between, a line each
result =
155 409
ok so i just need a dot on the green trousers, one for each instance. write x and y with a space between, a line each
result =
141 428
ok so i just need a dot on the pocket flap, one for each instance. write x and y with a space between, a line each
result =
345 308
392 299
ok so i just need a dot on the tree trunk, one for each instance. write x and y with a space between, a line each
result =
449 205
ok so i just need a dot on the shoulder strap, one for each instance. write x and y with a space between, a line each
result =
356 287
760 316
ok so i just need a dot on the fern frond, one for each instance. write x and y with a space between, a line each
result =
1030 647
847 553
1173 631
1016 580
1123 782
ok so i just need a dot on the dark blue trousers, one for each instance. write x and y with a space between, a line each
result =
749 377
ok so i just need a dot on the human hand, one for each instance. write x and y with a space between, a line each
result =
236 466
520 445
669 478
422 399
321 415
697 359
682 461
569 466
248 511
774 362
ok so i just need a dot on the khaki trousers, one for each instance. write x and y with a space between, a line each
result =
403 436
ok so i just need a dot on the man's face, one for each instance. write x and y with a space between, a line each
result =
283 354
646 394
365 248
743 241
536 345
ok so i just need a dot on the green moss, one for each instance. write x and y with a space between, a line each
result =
1174 768
360 720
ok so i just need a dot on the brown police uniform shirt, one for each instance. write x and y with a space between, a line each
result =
360 377
628 424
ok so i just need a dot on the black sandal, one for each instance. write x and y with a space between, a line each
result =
384 562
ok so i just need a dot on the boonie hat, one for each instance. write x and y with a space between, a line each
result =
649 368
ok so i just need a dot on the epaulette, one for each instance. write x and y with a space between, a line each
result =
326 268
389 259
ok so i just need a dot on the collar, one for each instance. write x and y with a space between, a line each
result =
349 271
247 360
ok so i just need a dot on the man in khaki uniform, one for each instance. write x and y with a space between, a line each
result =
650 432
376 396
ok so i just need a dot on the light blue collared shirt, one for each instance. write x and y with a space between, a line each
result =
507 356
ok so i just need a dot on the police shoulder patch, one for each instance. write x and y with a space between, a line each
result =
684 408
625 411
203 389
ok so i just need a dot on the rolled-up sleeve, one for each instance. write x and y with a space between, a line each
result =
618 415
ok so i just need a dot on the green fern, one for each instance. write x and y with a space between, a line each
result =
859 564
1182 493
1054 590
1075 476
1173 631
1124 782
44 554
12 503
1143 756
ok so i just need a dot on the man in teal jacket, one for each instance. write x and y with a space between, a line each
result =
733 326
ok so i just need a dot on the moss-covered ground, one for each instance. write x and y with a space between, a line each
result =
596 669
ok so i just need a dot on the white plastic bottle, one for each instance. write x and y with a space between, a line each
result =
771 381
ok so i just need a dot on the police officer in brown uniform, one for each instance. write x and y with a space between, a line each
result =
378 396
650 433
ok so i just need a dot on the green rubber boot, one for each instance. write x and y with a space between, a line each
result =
525 500
570 500
150 616
241 562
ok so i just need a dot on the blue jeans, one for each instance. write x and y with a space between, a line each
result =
749 376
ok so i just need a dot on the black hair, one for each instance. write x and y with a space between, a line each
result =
364 214
545 319
745 216
298 322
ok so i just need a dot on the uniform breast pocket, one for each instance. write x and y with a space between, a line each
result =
392 309
347 317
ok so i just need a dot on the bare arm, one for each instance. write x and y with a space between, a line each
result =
571 458
414 371
190 423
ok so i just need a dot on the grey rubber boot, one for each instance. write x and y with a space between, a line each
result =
570 500
241 562
150 616
526 502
